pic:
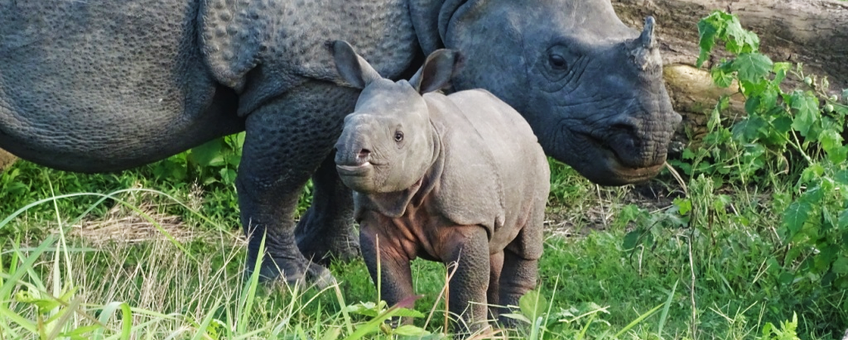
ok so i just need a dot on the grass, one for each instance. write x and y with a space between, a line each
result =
168 264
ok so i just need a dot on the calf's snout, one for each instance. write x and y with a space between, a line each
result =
352 149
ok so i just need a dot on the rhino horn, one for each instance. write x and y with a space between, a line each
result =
644 48
647 39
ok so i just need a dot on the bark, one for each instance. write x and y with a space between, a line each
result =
6 159
812 32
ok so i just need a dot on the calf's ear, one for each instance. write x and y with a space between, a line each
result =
437 71
353 68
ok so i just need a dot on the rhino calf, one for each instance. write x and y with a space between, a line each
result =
458 178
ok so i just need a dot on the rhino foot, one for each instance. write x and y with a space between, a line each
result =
294 273
323 242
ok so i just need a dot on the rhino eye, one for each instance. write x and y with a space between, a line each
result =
557 61
398 136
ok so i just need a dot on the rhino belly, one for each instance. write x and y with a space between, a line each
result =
103 85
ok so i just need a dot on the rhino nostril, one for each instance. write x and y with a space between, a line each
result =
363 154
620 127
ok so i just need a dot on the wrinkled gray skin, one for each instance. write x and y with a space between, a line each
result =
456 179
98 85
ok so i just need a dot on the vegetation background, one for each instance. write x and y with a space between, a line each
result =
744 236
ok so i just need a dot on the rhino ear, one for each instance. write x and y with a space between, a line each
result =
437 71
353 68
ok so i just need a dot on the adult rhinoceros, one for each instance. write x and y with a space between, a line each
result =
96 85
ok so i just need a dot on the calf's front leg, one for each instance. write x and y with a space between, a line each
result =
394 268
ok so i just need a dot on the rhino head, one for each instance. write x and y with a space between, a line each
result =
590 87
388 143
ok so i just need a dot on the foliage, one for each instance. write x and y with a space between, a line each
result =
215 161
807 123
786 158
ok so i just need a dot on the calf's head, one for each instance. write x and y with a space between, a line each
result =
590 87
388 142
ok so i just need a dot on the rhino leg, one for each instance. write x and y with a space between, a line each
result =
395 272
496 261
520 268
286 141
326 230
468 247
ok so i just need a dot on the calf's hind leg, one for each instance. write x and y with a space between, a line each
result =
520 268
468 247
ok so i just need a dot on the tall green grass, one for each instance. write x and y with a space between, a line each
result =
58 286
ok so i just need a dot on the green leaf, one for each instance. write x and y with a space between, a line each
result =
630 240
780 70
235 141
768 97
410 330
838 155
722 76
364 308
516 316
752 104
738 39
752 67
806 109
34 297
406 312
208 154
708 29
332 334
796 215
683 205
228 175
830 140
532 304
826 257
754 89
811 173
786 278
782 124
81 332
842 222
840 266
841 177
827 219
813 196
746 130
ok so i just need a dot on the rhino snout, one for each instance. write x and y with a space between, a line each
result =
352 155
636 146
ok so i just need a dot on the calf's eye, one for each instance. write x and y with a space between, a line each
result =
398 136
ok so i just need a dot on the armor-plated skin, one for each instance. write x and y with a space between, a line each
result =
98 85
458 178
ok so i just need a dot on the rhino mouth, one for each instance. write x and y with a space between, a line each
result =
622 173
354 170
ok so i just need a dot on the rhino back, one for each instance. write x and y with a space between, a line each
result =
264 48
101 85
495 171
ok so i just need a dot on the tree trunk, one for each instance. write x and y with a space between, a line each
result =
812 32
6 159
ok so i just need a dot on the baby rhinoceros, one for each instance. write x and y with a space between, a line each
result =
456 179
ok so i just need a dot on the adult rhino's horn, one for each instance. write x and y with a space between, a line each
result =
644 48
647 39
